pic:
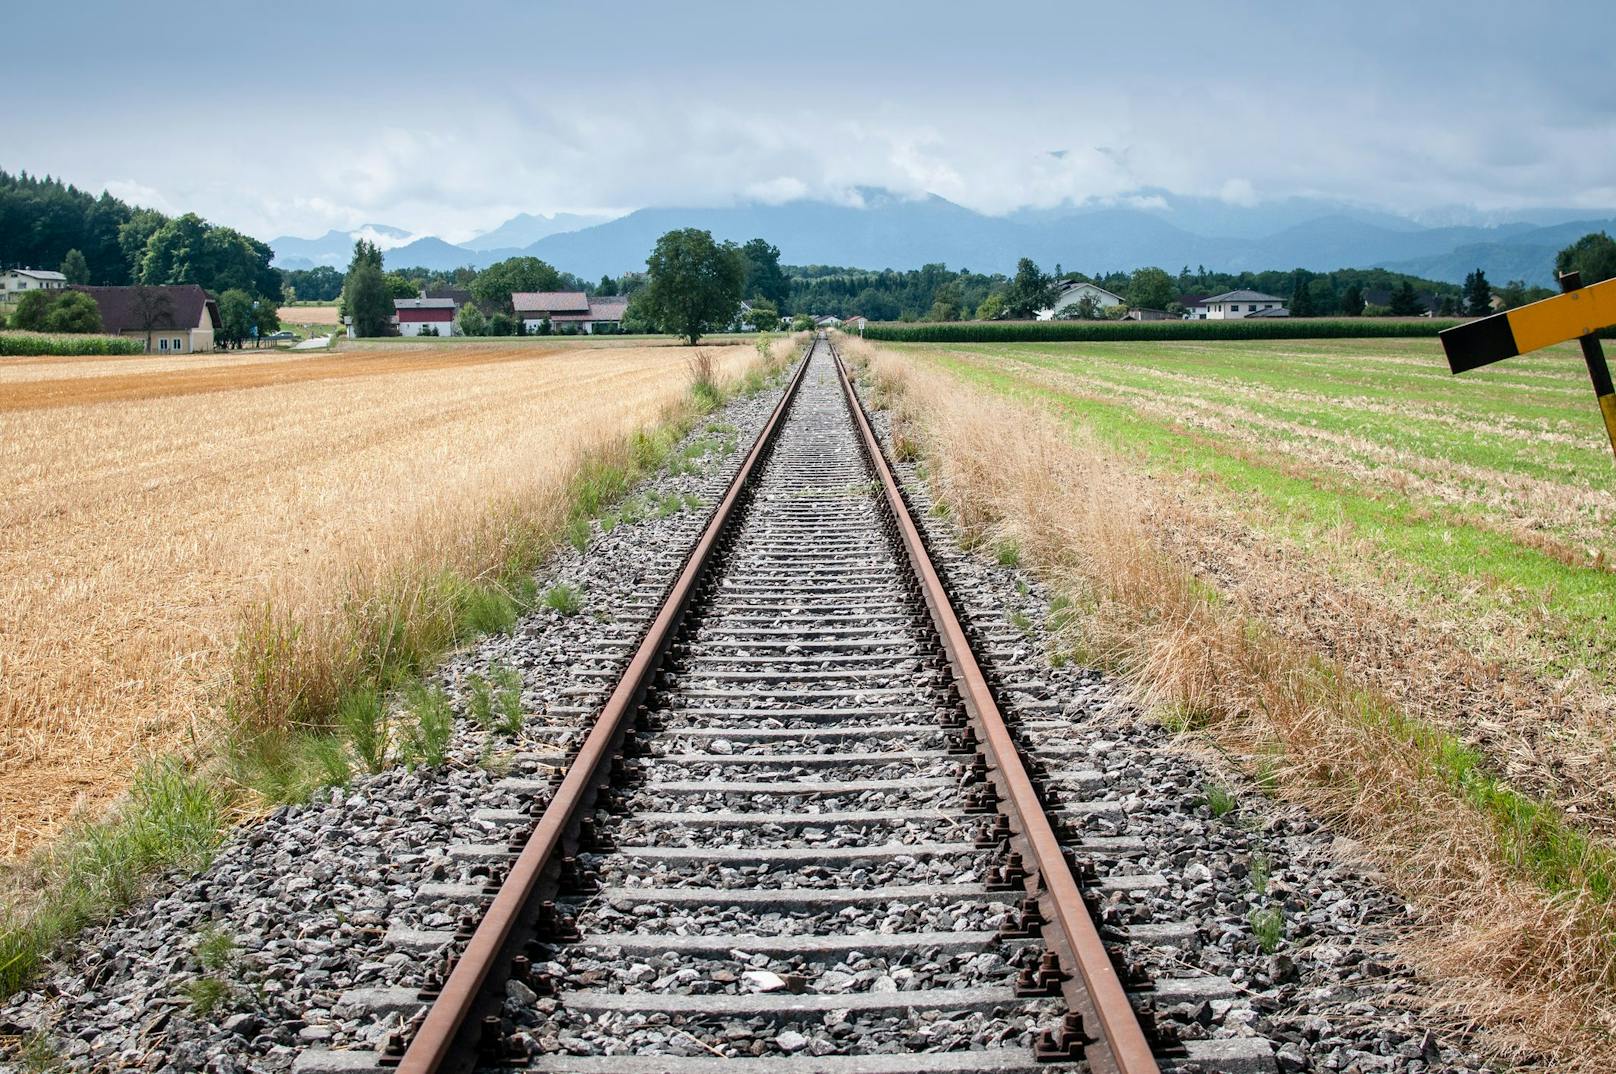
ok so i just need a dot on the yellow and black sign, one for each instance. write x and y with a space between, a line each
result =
1579 313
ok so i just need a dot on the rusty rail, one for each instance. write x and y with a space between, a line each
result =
445 1034
1095 990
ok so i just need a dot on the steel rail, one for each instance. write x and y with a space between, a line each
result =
441 1037
1060 896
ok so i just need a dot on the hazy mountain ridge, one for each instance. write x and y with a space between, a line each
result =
1149 228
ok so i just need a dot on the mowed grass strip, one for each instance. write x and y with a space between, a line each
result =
1514 893
150 537
1483 556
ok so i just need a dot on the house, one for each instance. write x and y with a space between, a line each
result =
14 283
855 324
1073 292
1139 313
1194 307
830 320
1235 304
569 308
423 316
171 319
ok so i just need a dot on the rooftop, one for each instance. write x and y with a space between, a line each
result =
1242 296
143 309
550 302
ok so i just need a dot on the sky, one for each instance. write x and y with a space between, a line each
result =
448 119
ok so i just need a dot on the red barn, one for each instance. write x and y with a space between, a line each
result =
424 316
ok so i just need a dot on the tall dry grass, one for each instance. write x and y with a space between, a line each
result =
1528 961
176 551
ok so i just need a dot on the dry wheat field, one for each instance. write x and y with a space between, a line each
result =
150 502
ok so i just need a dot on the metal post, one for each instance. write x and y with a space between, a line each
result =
1598 371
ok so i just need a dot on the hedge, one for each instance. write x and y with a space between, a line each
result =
16 344
1103 331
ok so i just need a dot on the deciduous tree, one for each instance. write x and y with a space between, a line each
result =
1593 256
1030 290
75 267
1151 288
495 284
695 283
764 278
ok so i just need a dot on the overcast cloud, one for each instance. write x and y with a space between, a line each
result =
447 120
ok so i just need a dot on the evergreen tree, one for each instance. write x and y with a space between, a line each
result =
1478 294
1405 303
1352 301
1301 304
365 296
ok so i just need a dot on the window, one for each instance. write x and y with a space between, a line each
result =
22 285
179 344
162 344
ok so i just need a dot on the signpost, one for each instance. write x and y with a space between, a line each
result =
1578 314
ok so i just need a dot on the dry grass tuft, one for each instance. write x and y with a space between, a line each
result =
1515 920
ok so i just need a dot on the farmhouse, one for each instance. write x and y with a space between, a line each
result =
1194 307
14 283
424 316
173 319
829 320
1235 304
569 311
1073 292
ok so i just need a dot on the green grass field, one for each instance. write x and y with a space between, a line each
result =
1489 496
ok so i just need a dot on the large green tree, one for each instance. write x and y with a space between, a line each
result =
75 267
1405 303
188 249
495 284
1151 289
235 315
1593 256
1352 301
1030 290
1301 301
365 296
764 277
73 311
695 283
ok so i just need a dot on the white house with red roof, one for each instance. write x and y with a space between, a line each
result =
568 311
422 316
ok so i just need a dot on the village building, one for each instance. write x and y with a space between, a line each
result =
1072 292
1232 305
422 316
1140 313
1194 307
569 311
171 319
14 283
829 320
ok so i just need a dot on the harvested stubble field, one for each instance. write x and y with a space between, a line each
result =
153 505
1384 590
309 314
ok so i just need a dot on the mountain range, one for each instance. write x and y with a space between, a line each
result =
883 230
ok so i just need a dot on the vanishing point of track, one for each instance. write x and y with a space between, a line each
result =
801 767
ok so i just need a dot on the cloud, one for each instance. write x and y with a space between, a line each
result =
685 112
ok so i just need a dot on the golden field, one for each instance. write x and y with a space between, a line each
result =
153 504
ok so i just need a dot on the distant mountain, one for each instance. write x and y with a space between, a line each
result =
334 248
883 230
1527 254
434 253
524 229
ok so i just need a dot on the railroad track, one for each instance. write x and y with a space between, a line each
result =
801 835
